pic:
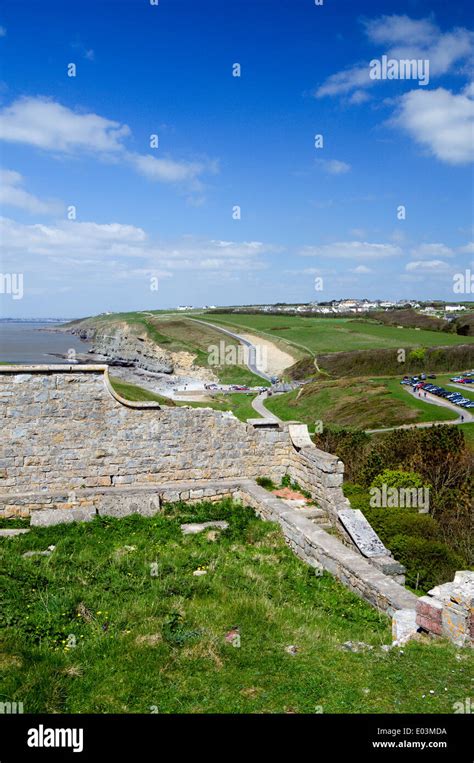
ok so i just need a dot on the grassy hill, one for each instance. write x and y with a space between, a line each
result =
114 621
362 403
380 362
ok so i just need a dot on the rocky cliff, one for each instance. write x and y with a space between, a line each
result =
124 345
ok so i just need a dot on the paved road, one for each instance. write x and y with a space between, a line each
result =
467 416
253 350
258 405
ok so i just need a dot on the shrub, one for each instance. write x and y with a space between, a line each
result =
391 522
418 354
398 478
428 562
416 541
265 482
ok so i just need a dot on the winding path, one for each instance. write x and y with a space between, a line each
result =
253 350
258 405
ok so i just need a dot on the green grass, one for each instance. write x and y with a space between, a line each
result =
137 394
364 403
237 402
151 637
468 430
324 335
426 411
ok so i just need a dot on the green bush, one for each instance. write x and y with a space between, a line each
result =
398 478
418 354
428 562
390 523
265 482
416 540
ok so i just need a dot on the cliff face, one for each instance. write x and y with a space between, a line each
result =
121 345
129 346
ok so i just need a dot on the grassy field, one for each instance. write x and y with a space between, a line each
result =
114 621
137 394
323 335
238 402
364 403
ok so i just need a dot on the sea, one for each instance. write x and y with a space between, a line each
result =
26 342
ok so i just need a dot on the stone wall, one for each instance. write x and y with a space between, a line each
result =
448 610
63 428
322 475
320 549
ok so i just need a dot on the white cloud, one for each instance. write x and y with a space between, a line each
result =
48 125
120 249
362 269
334 166
343 82
401 29
406 38
85 52
468 248
427 266
168 170
359 96
432 250
13 195
440 121
357 249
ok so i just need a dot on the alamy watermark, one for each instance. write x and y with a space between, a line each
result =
463 283
12 283
400 68
466 706
237 355
11 708
400 497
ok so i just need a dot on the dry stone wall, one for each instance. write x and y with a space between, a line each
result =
64 429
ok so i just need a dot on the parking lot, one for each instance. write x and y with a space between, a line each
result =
421 384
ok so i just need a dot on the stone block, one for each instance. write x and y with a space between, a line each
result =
430 608
404 626
122 505
192 528
429 625
51 517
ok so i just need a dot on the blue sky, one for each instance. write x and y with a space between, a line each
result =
166 213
